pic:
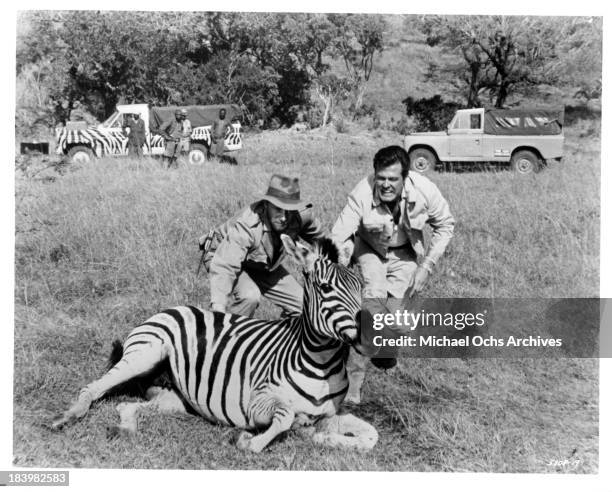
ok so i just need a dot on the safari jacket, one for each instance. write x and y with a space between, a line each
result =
171 130
421 203
248 241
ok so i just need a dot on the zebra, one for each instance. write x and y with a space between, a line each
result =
255 375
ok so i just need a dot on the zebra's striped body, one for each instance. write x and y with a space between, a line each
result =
251 373
219 362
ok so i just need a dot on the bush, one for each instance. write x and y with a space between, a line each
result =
430 114
404 125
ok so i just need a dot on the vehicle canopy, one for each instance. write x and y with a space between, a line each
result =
198 115
523 121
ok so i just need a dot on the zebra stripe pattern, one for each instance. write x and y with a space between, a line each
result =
250 373
106 141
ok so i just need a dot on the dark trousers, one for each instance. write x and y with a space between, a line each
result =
135 149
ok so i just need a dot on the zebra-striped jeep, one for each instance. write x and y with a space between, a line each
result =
81 142
257 375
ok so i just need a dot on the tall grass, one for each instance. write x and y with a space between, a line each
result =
104 246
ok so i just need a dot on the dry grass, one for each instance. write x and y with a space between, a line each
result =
100 248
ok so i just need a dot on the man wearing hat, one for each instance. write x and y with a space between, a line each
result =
244 255
174 134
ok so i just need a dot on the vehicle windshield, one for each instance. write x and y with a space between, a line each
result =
107 123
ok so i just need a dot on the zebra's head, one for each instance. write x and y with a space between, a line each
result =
332 292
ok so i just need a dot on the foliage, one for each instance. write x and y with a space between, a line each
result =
580 62
430 114
358 38
331 89
265 62
501 56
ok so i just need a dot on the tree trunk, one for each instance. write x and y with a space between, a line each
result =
502 94
359 94
327 103
473 101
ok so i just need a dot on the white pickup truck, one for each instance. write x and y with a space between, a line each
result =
525 138
81 142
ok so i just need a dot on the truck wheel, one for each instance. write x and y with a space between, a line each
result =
197 154
525 162
422 160
79 154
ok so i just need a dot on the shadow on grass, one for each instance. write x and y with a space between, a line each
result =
581 112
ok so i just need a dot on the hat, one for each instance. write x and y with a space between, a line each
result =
178 111
284 192
184 112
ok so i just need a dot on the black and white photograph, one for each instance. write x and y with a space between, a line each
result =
228 226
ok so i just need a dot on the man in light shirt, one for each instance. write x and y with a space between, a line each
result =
382 226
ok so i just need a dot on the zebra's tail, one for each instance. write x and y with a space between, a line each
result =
115 355
139 385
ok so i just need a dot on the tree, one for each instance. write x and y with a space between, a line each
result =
500 55
101 57
358 38
330 89
579 61
290 46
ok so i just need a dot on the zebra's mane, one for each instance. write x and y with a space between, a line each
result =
328 249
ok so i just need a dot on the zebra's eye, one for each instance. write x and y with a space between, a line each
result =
325 287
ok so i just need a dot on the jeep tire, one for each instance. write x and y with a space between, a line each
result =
525 162
198 154
80 154
422 160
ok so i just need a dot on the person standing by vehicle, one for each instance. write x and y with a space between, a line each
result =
219 129
136 136
172 131
383 224
186 133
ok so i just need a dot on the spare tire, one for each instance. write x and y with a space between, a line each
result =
198 154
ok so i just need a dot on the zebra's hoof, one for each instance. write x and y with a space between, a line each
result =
60 421
244 440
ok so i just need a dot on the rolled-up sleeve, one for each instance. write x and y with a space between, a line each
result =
227 261
441 221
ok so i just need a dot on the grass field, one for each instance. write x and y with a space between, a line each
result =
101 247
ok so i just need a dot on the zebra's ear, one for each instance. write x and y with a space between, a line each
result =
301 253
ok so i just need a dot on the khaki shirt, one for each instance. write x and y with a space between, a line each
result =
247 240
421 203
171 130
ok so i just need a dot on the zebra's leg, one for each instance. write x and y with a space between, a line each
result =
282 418
138 359
346 431
165 401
